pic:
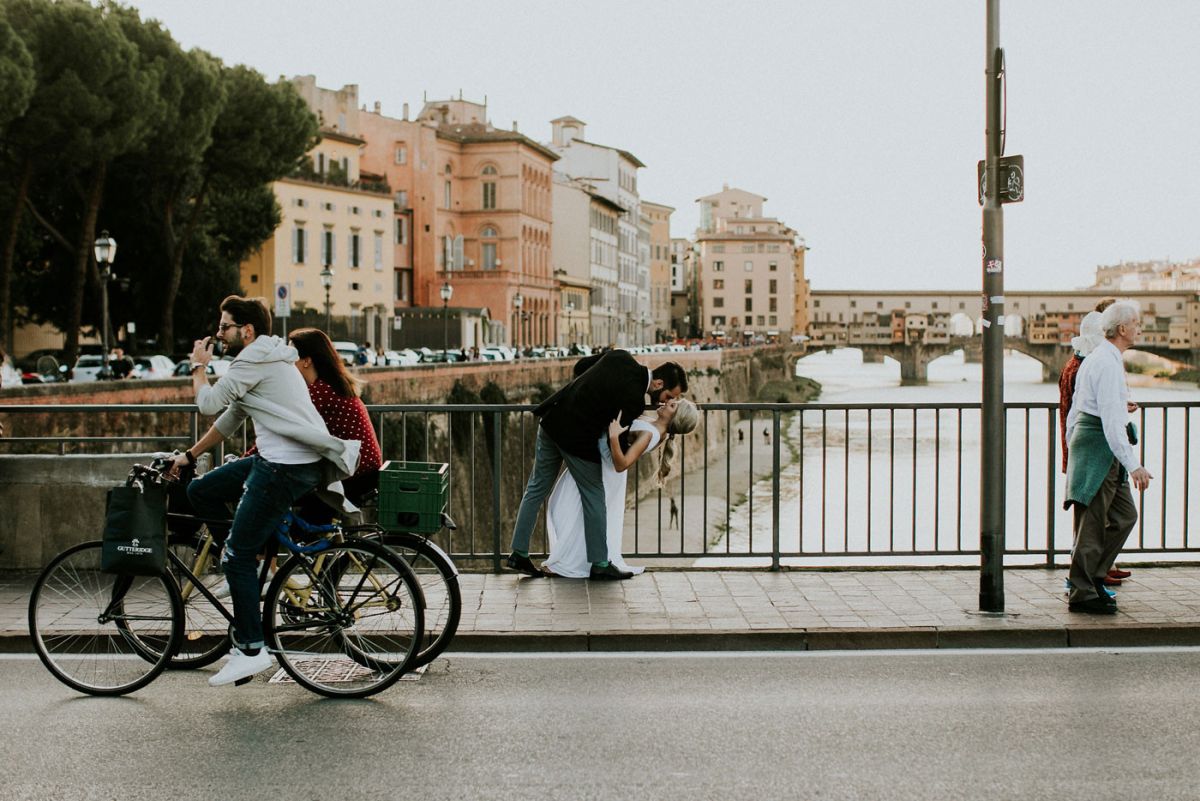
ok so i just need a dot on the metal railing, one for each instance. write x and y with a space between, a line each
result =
763 485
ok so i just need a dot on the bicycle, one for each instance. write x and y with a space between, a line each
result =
432 566
344 615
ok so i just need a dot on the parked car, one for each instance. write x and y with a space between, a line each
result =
216 367
497 353
400 358
152 367
87 368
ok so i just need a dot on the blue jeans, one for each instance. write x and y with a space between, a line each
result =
264 491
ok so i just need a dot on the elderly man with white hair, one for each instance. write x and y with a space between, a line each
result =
1101 460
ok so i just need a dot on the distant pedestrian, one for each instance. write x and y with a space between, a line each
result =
674 514
362 356
741 436
1101 461
767 435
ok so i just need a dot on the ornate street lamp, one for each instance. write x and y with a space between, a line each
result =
105 249
327 282
518 301
446 292
571 321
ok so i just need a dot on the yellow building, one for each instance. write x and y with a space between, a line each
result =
660 268
331 217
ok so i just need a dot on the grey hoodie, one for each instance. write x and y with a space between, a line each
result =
263 384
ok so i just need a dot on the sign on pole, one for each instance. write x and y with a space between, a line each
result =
1012 179
283 300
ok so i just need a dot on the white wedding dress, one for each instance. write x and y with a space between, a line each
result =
564 515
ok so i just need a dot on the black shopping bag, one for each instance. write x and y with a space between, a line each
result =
135 531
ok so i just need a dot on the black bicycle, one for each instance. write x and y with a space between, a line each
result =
343 615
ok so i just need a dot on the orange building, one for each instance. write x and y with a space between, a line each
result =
472 209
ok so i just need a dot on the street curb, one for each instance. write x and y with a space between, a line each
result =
844 639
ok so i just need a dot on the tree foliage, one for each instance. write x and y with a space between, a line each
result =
169 150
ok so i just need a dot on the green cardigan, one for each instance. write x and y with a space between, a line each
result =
1088 462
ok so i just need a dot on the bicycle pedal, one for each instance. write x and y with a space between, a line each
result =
246 680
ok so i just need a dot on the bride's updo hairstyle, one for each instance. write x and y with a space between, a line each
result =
686 418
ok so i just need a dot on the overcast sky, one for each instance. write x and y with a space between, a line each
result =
860 121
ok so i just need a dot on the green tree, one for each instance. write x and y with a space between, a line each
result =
96 98
17 82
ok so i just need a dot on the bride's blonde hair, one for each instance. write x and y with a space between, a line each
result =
686 418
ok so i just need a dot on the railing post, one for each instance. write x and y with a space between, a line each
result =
775 465
1051 430
497 475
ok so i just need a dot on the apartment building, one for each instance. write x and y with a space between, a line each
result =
613 174
659 218
746 283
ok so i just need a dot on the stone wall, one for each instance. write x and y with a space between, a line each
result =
53 501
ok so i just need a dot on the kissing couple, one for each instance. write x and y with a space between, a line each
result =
613 412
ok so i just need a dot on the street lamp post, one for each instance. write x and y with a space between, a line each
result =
571 321
518 301
447 291
106 252
327 282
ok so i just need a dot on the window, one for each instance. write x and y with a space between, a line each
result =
718 303
718 283
761 320
489 194
749 307
402 198
718 321
379 250
301 202
446 194
355 246
377 213
321 163
772 286
299 244
489 170
772 304
355 210
718 266
401 231
817 304
329 207
401 154
718 248
773 320
747 248
488 252
748 319
773 266
327 254
748 266
749 286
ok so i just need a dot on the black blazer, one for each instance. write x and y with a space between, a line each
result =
577 415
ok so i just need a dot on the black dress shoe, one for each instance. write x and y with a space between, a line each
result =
1094 606
523 564
609 572
1103 593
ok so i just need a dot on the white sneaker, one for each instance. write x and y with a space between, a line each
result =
241 666
221 590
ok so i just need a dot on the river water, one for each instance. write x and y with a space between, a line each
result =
909 483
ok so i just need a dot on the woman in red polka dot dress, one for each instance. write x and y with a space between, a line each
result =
334 391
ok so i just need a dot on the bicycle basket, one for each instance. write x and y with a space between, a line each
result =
413 495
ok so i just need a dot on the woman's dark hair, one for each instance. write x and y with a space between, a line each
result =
249 311
312 343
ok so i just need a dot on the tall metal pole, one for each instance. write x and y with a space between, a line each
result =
991 512
105 372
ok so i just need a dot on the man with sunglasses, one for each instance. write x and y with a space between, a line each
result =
295 454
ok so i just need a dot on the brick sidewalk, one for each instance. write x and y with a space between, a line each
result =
709 610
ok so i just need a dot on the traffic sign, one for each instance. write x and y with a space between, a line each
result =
1012 179
283 300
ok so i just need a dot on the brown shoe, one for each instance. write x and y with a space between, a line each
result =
1110 581
1119 574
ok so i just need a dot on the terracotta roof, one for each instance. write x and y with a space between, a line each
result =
474 132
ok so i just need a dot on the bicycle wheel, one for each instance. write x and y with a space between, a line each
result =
91 629
439 585
346 622
205 630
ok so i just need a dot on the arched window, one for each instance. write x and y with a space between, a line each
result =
489 170
488 248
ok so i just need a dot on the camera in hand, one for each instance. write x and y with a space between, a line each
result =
218 347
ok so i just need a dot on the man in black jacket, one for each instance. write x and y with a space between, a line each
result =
572 422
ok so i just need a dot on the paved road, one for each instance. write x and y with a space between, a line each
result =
863 725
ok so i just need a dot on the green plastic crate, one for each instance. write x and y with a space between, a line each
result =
413 495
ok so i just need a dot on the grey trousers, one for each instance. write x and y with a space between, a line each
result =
548 459
1100 532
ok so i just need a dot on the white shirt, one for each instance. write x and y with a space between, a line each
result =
1100 390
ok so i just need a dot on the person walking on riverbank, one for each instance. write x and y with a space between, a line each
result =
1101 462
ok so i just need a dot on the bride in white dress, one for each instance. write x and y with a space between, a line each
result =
564 511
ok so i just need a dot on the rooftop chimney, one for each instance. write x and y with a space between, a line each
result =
514 126
378 107
406 112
